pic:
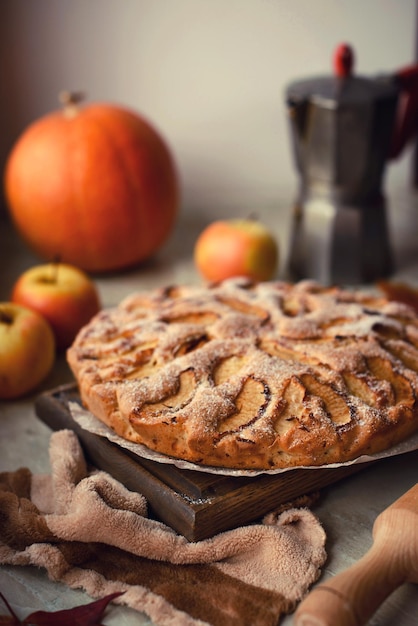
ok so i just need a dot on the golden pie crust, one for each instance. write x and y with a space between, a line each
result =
253 375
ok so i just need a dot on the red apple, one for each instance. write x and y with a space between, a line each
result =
63 294
236 247
27 350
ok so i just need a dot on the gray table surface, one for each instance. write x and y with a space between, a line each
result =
347 510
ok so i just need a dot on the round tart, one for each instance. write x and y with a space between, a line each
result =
253 375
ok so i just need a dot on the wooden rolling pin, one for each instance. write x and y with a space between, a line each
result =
353 596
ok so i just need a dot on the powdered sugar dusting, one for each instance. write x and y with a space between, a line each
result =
253 375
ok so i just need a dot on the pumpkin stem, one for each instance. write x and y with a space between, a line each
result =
70 100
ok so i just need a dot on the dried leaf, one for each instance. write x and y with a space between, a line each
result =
401 292
84 615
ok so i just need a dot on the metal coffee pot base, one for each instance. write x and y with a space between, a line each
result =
339 244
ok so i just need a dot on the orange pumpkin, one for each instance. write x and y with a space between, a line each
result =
94 186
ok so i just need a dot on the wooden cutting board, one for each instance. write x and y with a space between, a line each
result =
195 504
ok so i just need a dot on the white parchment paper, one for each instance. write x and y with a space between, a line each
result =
89 422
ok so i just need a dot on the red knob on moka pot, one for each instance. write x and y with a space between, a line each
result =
343 60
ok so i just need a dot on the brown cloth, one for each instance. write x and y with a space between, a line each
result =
88 531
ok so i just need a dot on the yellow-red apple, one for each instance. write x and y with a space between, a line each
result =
65 295
236 247
27 350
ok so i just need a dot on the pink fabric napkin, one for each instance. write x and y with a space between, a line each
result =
88 531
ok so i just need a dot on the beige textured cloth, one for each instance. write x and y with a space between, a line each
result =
88 531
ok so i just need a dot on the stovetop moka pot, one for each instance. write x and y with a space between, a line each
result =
344 130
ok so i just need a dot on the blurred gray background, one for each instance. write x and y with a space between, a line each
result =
209 74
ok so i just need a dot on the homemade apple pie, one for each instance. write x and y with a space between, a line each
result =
253 375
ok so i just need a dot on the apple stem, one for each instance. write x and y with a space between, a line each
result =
5 318
71 100
55 269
